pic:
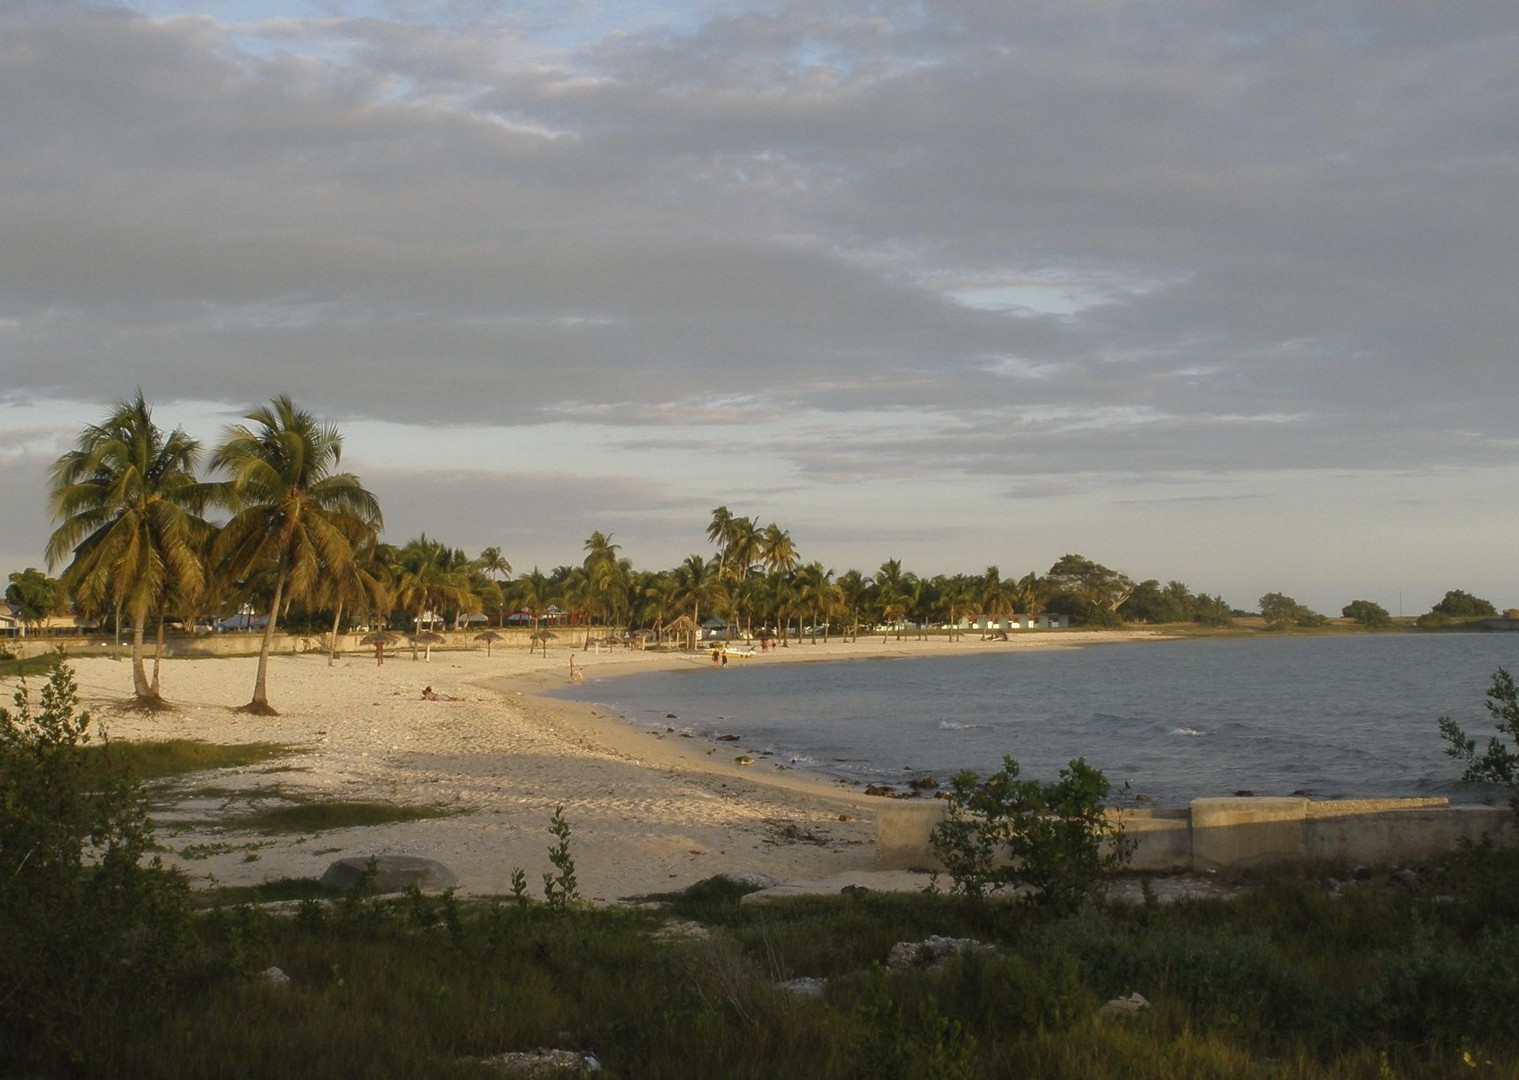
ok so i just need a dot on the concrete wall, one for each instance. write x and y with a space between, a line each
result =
1225 833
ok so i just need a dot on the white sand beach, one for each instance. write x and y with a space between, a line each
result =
650 811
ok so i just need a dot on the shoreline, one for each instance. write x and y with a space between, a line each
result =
648 813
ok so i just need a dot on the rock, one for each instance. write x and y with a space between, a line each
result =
273 976
1124 1006
542 1062
933 952
392 873
744 759
1409 879
804 988
751 879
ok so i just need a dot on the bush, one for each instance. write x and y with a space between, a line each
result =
1048 838
1498 763
83 920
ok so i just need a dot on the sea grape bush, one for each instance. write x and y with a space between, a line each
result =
1499 762
1054 841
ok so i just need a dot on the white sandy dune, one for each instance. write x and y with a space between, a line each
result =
649 810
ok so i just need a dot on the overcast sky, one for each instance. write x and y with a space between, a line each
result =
1210 291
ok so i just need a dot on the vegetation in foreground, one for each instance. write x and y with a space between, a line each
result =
1288 979
108 970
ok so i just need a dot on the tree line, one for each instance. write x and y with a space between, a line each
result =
277 527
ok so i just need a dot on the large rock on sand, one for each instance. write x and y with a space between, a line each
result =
392 873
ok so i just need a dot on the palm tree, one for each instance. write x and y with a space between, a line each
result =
816 590
1030 594
893 594
955 601
493 563
697 583
292 510
718 532
428 576
365 583
854 590
129 506
530 593
996 599
606 577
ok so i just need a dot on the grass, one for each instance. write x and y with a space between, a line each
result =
1288 979
158 760
307 815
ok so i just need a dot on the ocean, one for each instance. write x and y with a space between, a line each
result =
1166 721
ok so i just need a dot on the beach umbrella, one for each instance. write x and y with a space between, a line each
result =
683 627
429 638
542 637
488 637
379 639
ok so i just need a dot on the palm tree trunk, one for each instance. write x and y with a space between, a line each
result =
158 652
260 702
140 685
332 642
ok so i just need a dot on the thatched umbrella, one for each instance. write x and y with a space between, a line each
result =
684 627
379 639
429 638
488 637
542 637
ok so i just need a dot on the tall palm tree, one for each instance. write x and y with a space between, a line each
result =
818 593
996 599
364 584
606 577
893 594
292 510
493 563
427 576
718 532
854 590
129 508
696 584
955 600
494 566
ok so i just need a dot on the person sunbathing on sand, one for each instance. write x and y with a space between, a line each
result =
429 694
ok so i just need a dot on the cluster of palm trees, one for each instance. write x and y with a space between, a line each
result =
133 530
300 540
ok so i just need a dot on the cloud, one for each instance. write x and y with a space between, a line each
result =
950 240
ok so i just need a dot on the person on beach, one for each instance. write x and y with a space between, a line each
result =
576 674
429 694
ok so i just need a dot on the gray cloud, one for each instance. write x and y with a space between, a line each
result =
1209 237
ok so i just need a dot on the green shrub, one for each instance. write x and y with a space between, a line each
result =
83 920
1499 762
1046 838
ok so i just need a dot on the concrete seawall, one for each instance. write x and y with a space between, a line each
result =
1230 833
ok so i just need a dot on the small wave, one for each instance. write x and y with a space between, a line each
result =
959 725
1189 732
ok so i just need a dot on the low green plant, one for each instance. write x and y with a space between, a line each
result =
560 889
1498 763
1053 841
84 915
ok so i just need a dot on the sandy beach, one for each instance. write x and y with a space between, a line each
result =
650 811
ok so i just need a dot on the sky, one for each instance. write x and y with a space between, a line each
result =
1219 292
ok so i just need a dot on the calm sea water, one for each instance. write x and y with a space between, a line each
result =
1337 717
